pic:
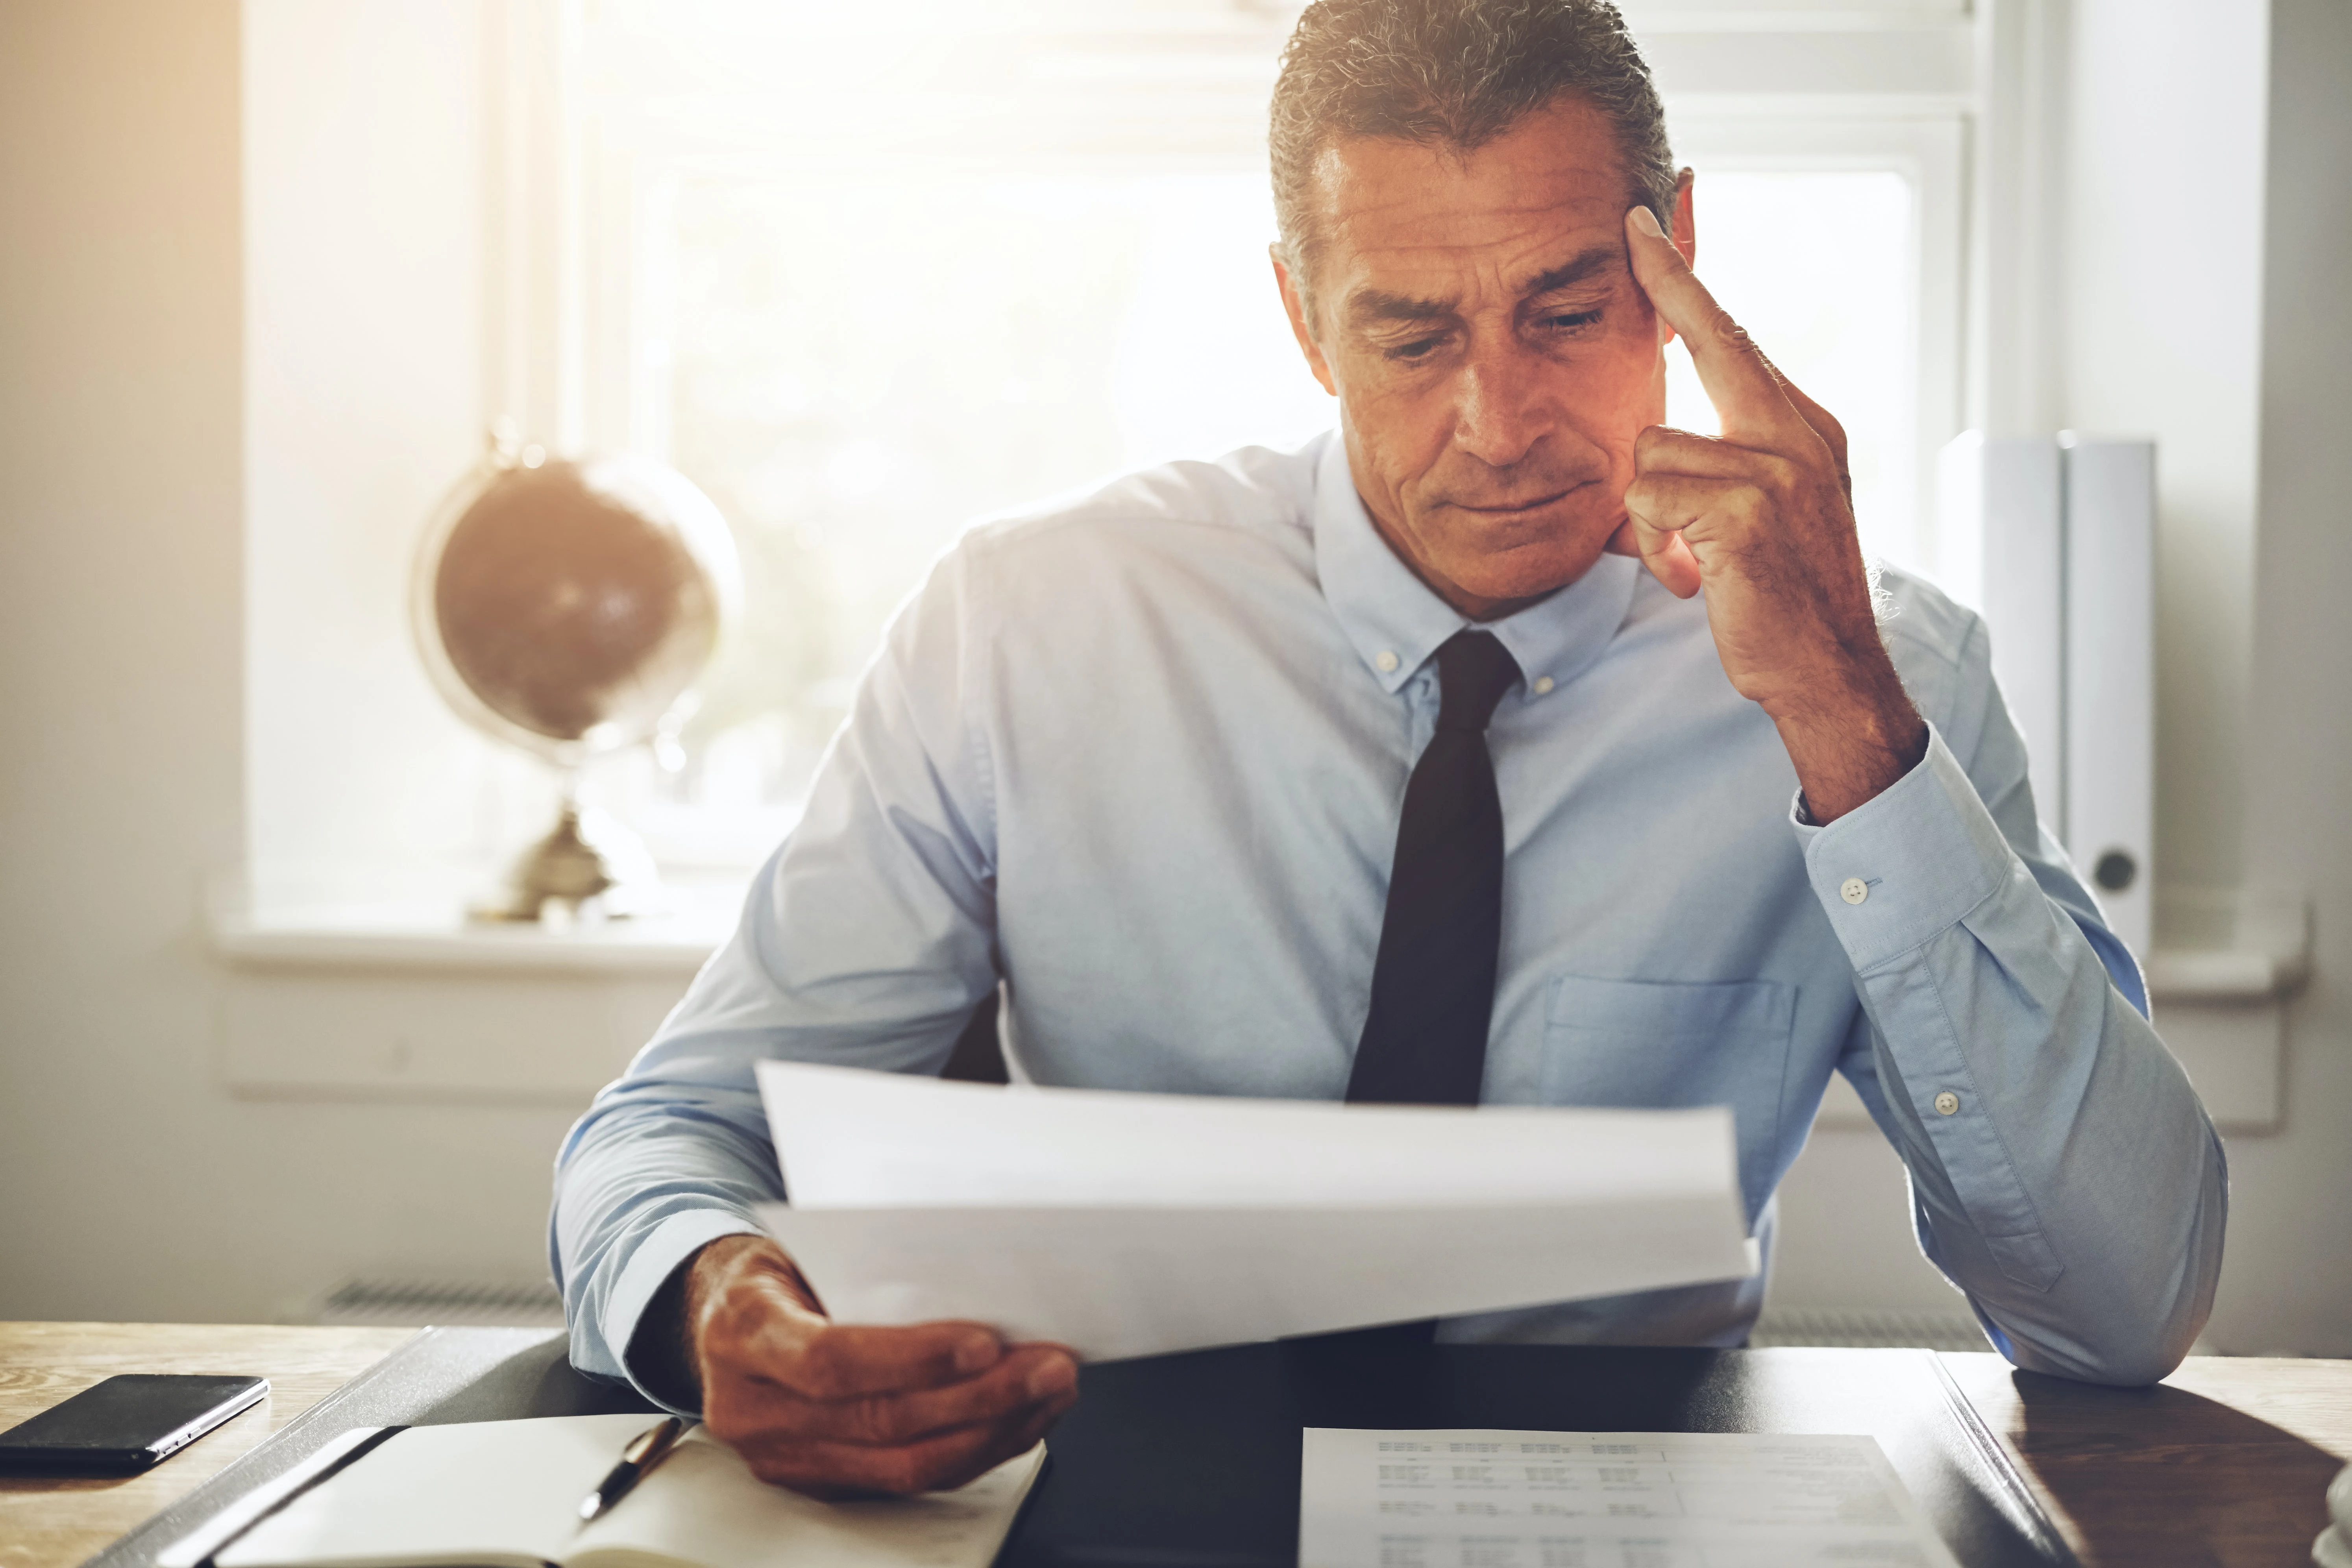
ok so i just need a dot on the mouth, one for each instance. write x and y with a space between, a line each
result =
1510 511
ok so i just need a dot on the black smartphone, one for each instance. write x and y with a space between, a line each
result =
126 1422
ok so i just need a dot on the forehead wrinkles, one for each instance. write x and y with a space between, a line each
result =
1553 184
1486 269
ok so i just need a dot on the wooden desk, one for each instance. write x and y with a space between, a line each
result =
2224 1463
48 1523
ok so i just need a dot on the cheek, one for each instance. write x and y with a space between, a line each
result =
1403 429
1619 394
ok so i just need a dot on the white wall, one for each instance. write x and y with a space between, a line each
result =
2161 313
137 1187
2288 1280
2203 224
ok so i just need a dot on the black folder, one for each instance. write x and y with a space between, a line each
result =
1191 1461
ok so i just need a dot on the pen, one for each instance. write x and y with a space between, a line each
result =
644 1451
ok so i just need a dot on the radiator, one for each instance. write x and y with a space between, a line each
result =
419 1303
1863 1329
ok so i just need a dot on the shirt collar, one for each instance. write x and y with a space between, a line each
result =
1395 622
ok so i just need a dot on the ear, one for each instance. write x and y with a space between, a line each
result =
1685 225
1292 307
1686 240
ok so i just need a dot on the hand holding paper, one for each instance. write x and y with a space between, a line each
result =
835 1409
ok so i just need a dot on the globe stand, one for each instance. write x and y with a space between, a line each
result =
588 865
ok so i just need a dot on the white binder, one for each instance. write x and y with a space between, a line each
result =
2053 539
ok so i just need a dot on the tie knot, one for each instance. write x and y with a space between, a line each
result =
1474 670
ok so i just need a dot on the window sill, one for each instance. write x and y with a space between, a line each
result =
431 934
2222 946
665 945
2223 975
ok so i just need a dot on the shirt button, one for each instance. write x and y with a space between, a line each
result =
1946 1103
1543 685
1387 660
1853 890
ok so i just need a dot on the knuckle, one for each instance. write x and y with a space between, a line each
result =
873 1418
820 1369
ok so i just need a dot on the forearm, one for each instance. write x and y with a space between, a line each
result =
2065 1175
2076 1191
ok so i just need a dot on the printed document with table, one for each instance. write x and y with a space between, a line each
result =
1604 1500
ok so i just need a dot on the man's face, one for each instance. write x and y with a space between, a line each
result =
1493 357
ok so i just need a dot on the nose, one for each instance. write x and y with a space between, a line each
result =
1501 407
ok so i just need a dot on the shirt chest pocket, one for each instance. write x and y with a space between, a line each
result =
1669 1044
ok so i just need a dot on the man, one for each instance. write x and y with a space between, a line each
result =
1503 746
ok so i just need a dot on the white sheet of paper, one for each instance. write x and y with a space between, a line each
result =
1127 1225
1111 1283
1471 1498
853 1139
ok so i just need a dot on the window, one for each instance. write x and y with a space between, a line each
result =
859 368
864 285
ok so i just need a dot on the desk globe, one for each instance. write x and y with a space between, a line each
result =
569 608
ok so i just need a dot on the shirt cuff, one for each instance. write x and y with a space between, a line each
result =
671 1243
1903 867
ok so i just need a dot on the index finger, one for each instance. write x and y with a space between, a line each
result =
846 1360
1746 393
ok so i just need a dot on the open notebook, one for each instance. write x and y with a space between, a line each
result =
508 1493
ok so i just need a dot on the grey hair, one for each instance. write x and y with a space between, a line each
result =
1457 74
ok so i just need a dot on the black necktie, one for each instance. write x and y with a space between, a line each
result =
1424 1040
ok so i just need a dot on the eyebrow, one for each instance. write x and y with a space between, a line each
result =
1371 305
1575 269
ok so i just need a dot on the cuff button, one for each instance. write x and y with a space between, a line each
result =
1946 1103
1853 890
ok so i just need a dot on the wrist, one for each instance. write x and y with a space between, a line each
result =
660 1354
1851 736
720 1266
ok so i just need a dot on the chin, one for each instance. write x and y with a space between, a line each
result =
1526 572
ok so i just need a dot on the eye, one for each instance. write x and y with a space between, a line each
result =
1568 321
1419 349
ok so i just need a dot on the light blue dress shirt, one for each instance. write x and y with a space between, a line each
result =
1141 757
